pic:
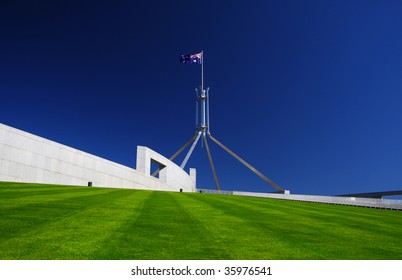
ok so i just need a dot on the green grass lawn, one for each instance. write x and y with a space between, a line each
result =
65 222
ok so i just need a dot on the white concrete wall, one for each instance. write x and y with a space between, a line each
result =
339 200
351 201
25 157
171 174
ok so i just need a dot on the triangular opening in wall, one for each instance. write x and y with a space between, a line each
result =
156 167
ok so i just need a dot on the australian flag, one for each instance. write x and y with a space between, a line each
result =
191 58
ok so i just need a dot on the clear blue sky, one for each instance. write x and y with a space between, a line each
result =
309 92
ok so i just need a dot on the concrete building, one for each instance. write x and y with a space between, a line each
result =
25 157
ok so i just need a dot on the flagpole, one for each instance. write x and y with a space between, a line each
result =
202 72
202 95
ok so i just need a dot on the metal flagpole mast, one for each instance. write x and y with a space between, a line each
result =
202 71
204 127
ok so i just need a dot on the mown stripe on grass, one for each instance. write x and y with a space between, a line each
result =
234 230
163 230
73 228
36 211
307 234
32 196
387 223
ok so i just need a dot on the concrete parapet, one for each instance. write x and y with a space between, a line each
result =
352 201
169 174
25 157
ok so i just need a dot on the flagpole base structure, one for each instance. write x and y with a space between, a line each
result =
203 131
204 135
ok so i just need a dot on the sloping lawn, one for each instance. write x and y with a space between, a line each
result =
67 222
